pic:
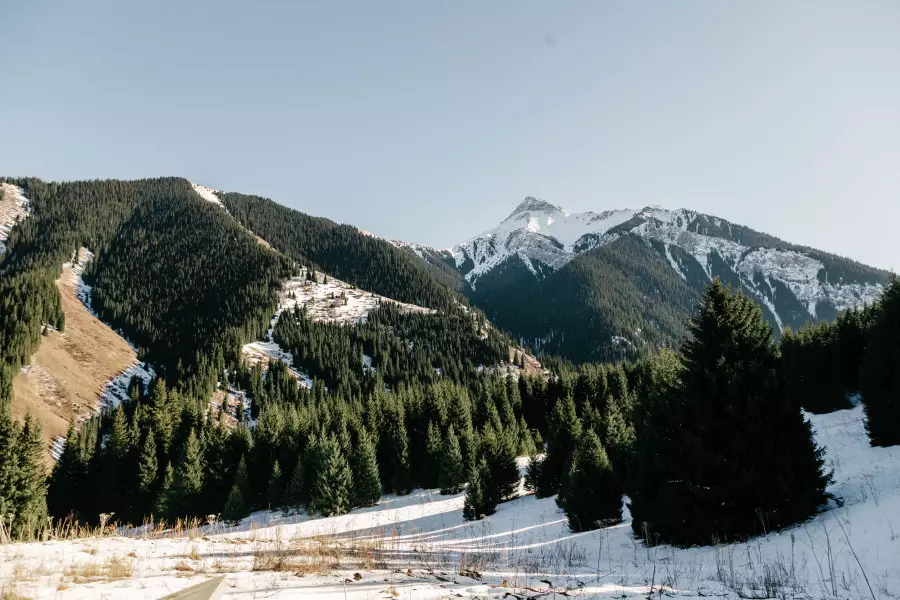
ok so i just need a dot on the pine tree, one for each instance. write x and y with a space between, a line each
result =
879 378
479 501
188 482
533 472
562 438
276 486
451 473
8 456
722 453
366 488
236 507
499 448
147 472
433 448
31 484
398 450
332 480
163 500
295 493
64 478
590 495
112 493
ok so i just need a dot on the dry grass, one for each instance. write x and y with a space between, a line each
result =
112 569
11 594
70 368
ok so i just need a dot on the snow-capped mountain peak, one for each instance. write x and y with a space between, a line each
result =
543 237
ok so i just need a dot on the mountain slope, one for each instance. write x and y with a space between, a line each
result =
584 284
343 251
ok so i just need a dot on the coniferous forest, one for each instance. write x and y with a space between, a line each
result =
708 440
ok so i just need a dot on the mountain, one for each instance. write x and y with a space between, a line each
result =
604 285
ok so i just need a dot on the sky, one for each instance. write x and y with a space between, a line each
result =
430 121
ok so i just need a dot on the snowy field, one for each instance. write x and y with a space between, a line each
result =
418 547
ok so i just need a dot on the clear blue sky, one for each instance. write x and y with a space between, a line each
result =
429 121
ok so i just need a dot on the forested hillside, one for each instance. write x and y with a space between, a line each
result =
341 250
618 301
189 285
662 260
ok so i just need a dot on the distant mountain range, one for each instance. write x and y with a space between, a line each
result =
612 284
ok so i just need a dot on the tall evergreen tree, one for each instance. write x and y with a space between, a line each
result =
590 495
332 480
879 379
187 484
147 474
295 493
562 438
163 499
366 488
479 501
236 506
451 471
723 454
275 490
31 484
433 447
8 456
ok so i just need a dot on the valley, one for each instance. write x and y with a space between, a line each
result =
330 413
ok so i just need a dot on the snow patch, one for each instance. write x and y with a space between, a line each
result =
208 194
116 389
14 207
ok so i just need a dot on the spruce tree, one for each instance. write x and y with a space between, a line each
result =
479 501
8 456
295 492
722 453
433 449
562 438
112 493
65 476
366 488
451 473
398 450
31 484
879 378
236 507
533 472
188 482
163 499
332 480
147 473
590 495
275 488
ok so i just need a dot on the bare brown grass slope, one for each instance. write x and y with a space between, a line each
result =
70 369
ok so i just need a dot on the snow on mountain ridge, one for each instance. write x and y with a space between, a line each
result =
14 207
538 231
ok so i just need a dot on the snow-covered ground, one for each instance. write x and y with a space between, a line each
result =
419 547
14 207
208 194
332 301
